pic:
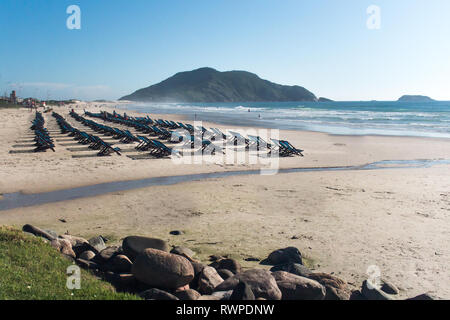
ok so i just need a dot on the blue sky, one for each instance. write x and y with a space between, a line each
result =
323 45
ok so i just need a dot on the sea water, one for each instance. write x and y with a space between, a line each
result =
426 119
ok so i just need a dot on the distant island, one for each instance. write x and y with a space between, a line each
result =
322 99
415 98
210 85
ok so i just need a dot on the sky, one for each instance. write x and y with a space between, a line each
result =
326 46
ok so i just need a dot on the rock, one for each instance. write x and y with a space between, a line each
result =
189 294
87 255
82 247
52 233
225 274
157 294
336 288
97 243
88 265
295 268
37 232
63 246
229 264
74 241
223 295
208 280
134 245
176 232
106 254
242 292
424 297
285 256
372 292
295 287
261 282
388 287
119 264
162 269
198 268
208 297
183 251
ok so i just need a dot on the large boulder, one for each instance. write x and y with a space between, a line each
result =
157 294
162 269
242 292
38 232
337 288
261 282
208 280
284 256
295 268
134 245
295 287
228 264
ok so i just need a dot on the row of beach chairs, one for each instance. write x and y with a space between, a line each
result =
42 138
156 148
176 132
93 142
124 136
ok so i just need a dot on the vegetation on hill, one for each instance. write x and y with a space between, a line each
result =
210 85
415 98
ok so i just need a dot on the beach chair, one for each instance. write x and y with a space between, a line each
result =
218 134
259 142
285 149
290 148
238 139
161 150
107 149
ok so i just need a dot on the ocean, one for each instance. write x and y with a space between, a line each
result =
429 119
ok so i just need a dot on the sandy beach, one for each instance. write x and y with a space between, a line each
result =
343 222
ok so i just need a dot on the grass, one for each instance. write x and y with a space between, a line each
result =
4 104
32 270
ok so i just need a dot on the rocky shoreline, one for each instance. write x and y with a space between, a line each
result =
153 270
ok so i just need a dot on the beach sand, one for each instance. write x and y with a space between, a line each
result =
343 222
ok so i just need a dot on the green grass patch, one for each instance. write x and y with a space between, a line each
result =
4 104
30 269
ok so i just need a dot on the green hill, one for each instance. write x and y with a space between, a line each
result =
210 85
415 98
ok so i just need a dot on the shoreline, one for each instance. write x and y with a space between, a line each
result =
307 140
189 117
